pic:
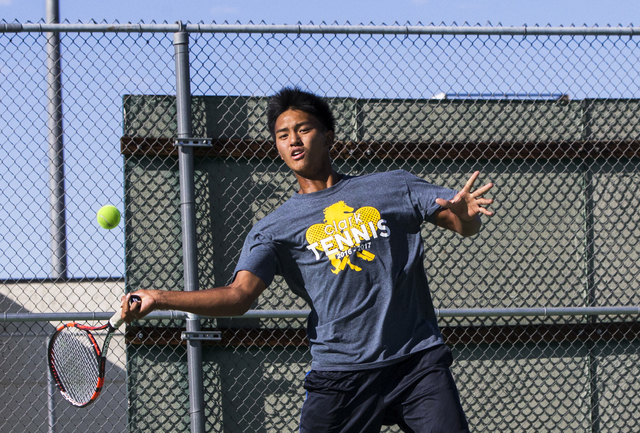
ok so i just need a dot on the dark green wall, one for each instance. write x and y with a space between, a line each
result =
565 234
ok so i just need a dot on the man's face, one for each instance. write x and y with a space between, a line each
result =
303 143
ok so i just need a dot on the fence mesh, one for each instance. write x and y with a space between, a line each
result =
551 120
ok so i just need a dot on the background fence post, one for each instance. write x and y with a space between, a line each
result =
57 211
51 402
188 213
56 148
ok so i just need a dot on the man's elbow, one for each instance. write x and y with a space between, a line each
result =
241 305
244 293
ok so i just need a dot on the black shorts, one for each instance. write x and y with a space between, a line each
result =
418 394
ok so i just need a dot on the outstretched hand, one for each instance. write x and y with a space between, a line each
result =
462 213
468 205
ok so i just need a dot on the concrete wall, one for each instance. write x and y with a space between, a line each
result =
23 366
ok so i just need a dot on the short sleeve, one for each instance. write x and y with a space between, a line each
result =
258 256
424 194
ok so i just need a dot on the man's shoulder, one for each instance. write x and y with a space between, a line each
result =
381 176
276 214
391 173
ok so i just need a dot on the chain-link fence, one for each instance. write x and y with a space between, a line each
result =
540 308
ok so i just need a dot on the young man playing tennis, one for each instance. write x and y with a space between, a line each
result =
351 247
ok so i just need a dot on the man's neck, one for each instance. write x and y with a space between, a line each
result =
318 184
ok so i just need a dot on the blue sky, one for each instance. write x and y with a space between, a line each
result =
506 12
88 245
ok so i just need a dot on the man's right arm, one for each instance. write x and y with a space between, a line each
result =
232 300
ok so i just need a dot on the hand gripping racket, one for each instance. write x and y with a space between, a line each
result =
76 361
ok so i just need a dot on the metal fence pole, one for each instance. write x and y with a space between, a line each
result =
51 402
321 29
187 206
57 211
591 293
56 148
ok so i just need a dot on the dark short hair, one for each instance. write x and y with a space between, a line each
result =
298 99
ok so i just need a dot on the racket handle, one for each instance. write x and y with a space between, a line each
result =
116 320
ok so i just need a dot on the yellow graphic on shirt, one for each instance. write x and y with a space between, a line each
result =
346 232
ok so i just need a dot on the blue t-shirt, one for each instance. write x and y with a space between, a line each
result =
354 252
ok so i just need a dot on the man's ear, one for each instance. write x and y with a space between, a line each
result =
329 138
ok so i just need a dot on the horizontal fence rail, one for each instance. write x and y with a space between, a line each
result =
297 314
323 29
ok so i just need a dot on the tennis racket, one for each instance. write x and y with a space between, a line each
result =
76 361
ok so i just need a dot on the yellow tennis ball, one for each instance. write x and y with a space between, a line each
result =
108 217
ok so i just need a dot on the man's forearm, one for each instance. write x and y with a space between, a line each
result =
221 301
226 301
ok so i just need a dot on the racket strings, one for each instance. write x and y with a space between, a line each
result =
75 360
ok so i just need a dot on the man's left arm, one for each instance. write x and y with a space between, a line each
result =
462 213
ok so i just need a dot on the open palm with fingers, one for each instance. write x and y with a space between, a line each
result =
467 204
